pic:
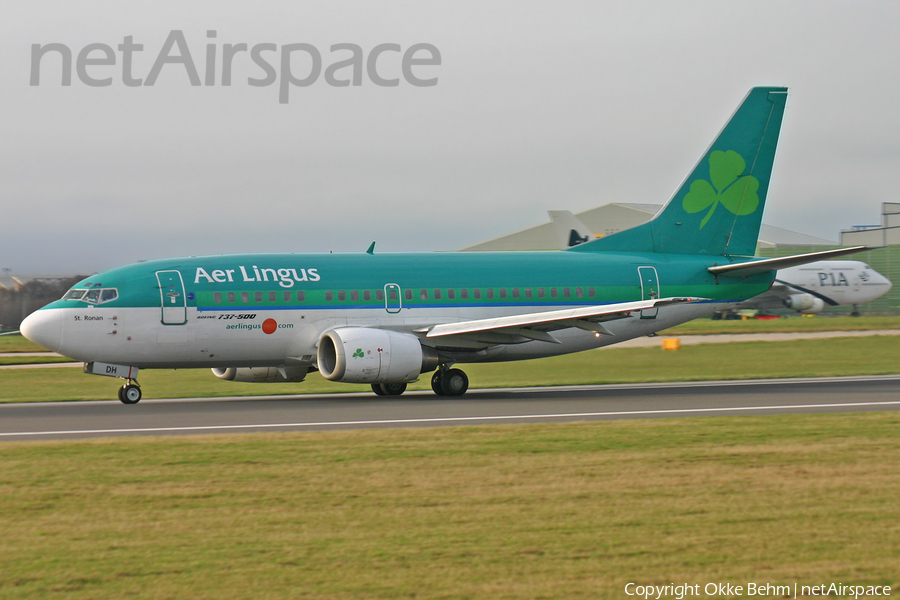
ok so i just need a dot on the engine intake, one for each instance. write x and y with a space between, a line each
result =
805 303
363 355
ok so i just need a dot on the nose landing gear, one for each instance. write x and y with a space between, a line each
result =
130 393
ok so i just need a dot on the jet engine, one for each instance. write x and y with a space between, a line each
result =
805 303
363 355
262 374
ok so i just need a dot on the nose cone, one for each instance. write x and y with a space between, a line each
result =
44 327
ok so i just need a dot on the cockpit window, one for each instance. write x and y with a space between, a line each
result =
98 296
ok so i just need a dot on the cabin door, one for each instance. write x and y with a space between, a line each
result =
172 297
393 302
649 289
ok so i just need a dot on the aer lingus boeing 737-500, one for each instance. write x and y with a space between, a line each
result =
384 319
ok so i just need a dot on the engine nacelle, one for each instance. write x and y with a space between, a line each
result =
363 355
262 374
805 303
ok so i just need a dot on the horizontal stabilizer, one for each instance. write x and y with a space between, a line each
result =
746 269
534 325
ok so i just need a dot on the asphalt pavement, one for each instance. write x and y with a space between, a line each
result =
62 420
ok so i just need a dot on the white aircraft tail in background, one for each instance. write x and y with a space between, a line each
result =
569 229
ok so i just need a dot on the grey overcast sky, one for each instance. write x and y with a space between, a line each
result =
538 105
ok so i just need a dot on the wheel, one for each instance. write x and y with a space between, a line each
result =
436 382
454 383
393 389
130 394
379 391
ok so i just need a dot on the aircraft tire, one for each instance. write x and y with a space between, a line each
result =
393 389
436 382
454 383
379 391
130 394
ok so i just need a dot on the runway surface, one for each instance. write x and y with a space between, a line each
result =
62 420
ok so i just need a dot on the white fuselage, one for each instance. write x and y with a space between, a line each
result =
136 336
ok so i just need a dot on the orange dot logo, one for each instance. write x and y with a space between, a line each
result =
269 326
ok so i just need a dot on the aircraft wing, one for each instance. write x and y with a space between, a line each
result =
536 326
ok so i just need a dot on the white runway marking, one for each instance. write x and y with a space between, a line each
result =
632 413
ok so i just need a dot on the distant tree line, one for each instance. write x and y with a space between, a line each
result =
15 305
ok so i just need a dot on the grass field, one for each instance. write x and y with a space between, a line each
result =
523 511
32 360
17 343
870 355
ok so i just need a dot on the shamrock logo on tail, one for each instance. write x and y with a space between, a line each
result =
735 193
358 353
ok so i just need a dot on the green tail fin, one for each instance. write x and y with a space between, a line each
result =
718 209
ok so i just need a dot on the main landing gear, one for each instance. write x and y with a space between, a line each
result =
444 382
388 389
130 393
449 382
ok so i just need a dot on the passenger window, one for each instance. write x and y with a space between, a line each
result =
437 294
287 296
567 293
257 296
379 295
231 296
354 295
367 295
245 297
392 293
451 294
408 293
489 293
273 296
541 293
503 293
329 296
342 295
301 296
579 293
553 293
464 294
528 293
591 292
217 297
515 293
476 293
